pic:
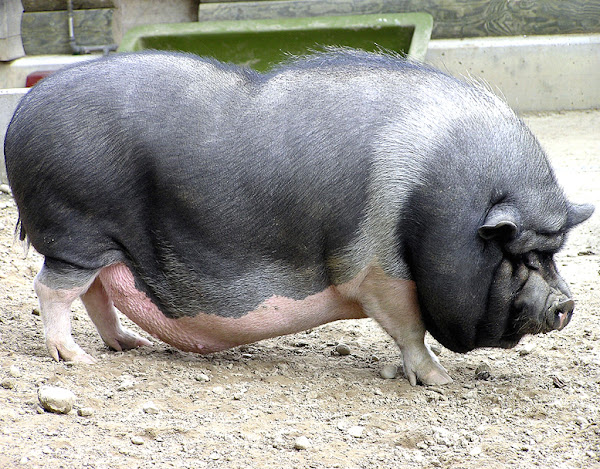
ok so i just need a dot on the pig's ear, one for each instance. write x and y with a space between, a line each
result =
500 223
578 213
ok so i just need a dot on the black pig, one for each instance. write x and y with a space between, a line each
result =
216 206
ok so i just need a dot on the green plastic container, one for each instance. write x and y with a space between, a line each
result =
262 43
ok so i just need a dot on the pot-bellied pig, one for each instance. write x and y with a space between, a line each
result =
216 206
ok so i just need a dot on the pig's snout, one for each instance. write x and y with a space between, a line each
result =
559 314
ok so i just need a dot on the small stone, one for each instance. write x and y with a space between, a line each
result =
55 399
125 385
356 431
558 382
526 349
214 456
85 412
278 442
202 377
8 383
35 311
5 188
302 443
14 371
150 408
475 451
137 440
483 371
581 421
342 349
436 349
389 371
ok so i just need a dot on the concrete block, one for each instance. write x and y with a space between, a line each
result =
8 103
536 73
11 45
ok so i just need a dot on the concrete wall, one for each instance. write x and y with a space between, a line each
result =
534 74
8 102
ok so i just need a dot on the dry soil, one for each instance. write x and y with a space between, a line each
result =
249 407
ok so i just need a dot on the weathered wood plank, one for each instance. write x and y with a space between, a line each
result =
48 32
452 18
58 5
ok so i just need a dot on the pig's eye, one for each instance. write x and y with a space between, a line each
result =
532 261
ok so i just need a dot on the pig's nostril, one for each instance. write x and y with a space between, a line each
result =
566 307
562 313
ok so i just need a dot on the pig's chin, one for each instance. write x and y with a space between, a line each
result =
497 329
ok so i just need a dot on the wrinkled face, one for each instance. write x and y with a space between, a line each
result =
527 295
532 297
510 286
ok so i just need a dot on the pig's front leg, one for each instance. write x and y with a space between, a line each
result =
394 305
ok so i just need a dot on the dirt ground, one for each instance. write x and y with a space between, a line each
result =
292 402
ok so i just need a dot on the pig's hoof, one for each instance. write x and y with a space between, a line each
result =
428 372
435 376
69 351
124 339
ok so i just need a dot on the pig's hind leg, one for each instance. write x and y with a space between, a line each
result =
56 290
101 310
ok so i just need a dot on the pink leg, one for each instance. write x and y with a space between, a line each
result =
394 305
104 316
55 308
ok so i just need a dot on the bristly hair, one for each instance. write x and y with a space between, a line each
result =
342 55
22 234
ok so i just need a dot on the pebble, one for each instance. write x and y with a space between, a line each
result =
527 349
278 442
558 382
389 371
14 371
342 349
55 399
302 443
475 451
356 431
150 408
85 412
8 383
581 421
203 377
4 188
137 440
436 349
125 385
483 371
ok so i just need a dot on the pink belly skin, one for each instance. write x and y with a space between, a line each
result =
206 333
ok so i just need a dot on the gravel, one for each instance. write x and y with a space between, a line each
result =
539 408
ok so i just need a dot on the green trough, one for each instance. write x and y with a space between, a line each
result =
262 43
